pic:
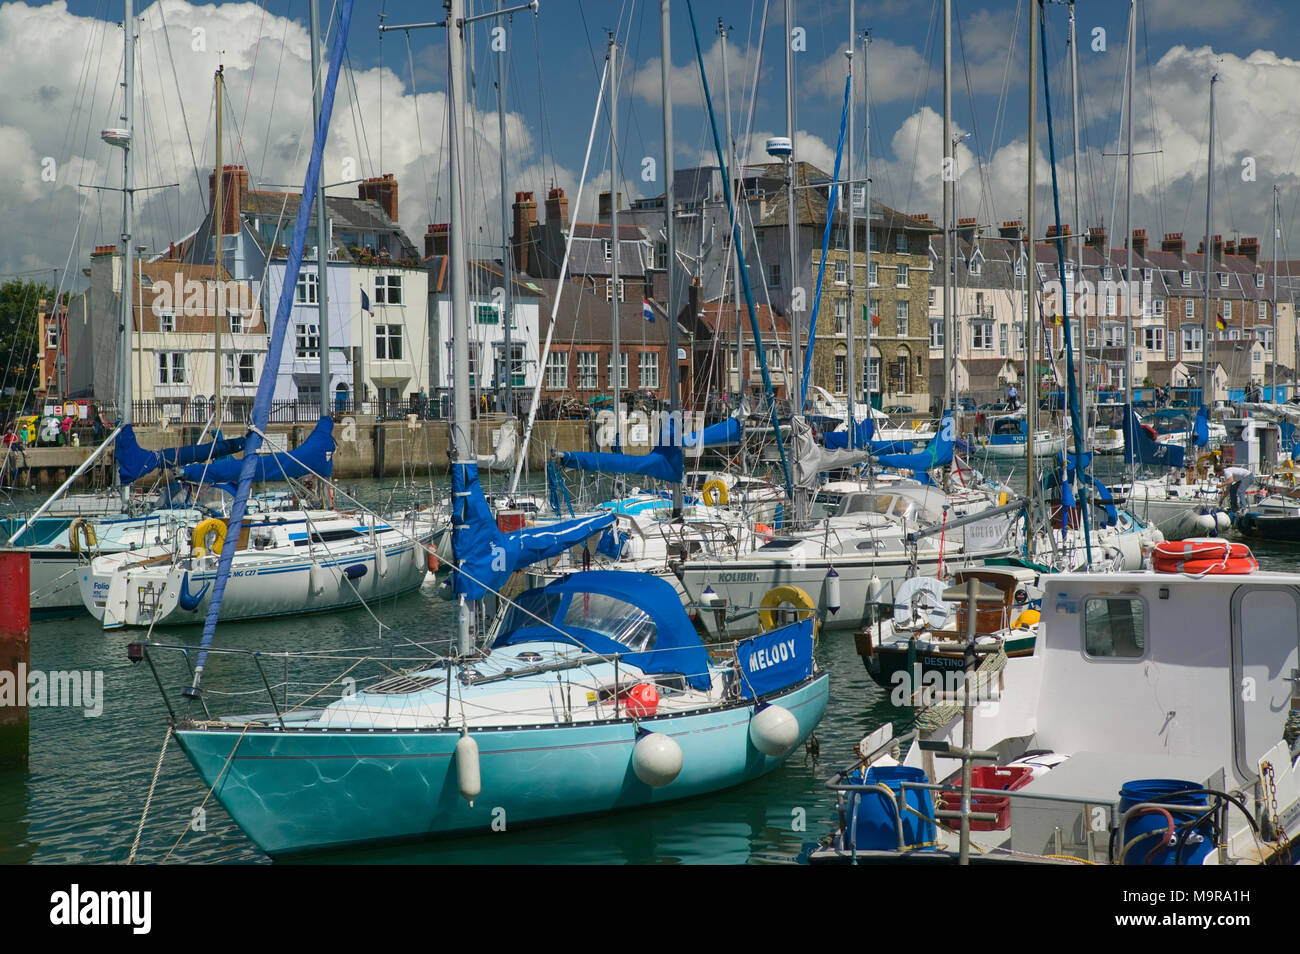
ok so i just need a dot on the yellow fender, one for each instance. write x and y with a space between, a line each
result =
200 538
786 593
81 531
1002 499
715 493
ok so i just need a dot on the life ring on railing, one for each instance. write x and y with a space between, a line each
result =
80 531
200 539
1203 555
937 613
714 493
779 595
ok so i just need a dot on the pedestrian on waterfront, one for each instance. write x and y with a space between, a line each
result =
422 403
1013 398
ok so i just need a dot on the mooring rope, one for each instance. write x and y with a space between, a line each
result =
157 771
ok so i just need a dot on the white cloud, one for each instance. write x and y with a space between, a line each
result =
266 60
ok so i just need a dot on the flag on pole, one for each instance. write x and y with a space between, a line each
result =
365 303
874 319
646 311
1219 322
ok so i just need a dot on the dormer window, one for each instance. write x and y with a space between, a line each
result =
1223 279
1187 276
1259 280
607 248
1020 268
1069 269
1147 275
1105 273
975 266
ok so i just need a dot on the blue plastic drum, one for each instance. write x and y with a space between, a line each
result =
1167 791
872 815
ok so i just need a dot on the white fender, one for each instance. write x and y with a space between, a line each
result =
656 759
467 768
316 579
381 561
939 611
832 590
774 730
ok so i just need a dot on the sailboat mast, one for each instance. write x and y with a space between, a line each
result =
322 228
670 236
735 173
1078 218
796 363
866 206
1128 204
949 351
507 267
849 325
218 223
463 452
1273 313
1031 270
615 362
1206 379
126 414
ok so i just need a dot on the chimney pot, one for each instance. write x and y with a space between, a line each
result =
383 190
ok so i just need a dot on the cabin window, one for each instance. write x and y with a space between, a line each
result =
1115 628
622 622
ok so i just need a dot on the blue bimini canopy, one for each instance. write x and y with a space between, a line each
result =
723 432
315 455
485 556
636 615
663 463
133 461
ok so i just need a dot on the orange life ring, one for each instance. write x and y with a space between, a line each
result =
1203 555
764 531
431 559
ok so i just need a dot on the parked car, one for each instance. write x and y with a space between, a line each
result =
898 409
995 407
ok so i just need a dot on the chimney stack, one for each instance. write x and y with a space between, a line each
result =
435 240
1012 229
603 210
1097 239
923 217
521 241
1230 247
1052 231
234 186
381 189
1249 247
557 209
1140 243
967 229
1173 242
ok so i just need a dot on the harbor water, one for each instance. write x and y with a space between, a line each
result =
81 797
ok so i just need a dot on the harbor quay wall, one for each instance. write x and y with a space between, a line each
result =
366 447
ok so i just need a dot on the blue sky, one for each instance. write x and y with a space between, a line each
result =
555 62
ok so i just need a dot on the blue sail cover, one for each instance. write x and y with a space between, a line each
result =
563 603
862 433
1202 427
133 461
663 463
315 455
1070 464
938 453
1139 446
485 556
723 432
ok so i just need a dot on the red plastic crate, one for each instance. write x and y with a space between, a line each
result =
1008 778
